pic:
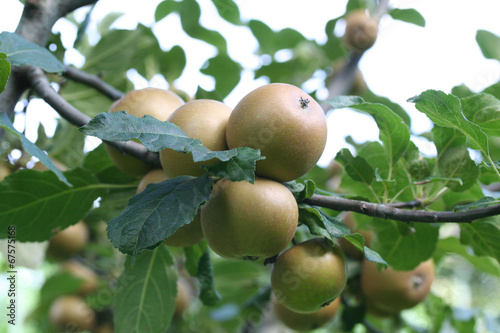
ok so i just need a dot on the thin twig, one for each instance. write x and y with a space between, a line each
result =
93 81
388 211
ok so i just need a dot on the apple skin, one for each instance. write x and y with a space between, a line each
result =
304 321
361 30
90 279
155 102
249 221
202 119
286 124
188 234
70 313
69 241
388 292
309 275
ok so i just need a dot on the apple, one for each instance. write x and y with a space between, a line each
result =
69 241
202 119
78 270
304 321
360 31
70 313
389 291
158 103
249 221
286 124
309 275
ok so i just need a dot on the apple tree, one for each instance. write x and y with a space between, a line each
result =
424 226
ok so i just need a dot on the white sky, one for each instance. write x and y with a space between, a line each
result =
404 61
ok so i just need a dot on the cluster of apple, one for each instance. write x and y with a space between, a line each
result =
244 220
70 311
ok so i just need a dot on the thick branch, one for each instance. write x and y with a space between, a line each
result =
35 25
94 82
41 85
390 212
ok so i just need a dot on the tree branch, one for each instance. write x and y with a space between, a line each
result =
41 85
35 25
388 211
94 82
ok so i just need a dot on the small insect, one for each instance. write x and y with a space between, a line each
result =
304 102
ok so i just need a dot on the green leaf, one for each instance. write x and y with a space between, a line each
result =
356 167
453 160
461 91
369 96
483 237
453 245
373 256
340 102
320 224
371 5
483 110
172 63
153 133
227 79
104 169
208 294
239 167
416 164
119 50
271 41
39 205
111 204
228 10
394 133
357 240
22 52
190 14
147 293
409 15
481 203
264 35
489 44
165 8
404 252
31 148
66 146
157 212
446 110
58 285
4 71
157 135
193 255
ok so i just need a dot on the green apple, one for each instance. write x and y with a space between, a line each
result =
388 291
202 119
309 275
249 221
304 321
158 103
286 124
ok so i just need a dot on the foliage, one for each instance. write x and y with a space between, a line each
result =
389 171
